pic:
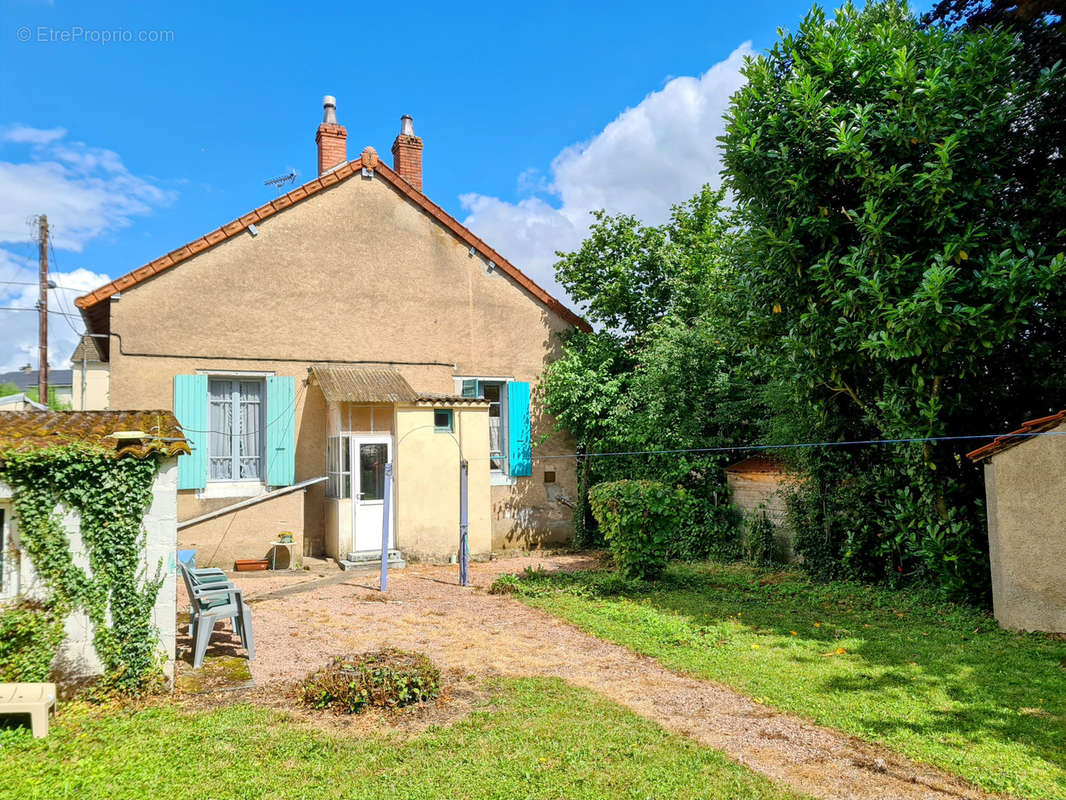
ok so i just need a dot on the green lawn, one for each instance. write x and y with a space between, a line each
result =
939 683
536 739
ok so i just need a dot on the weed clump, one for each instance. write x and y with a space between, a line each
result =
384 678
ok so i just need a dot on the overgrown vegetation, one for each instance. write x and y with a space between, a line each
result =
383 679
30 635
936 681
892 268
110 496
536 739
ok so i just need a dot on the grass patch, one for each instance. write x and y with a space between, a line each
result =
536 739
939 683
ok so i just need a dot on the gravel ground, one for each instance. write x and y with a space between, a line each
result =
468 631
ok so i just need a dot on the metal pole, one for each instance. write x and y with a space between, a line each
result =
385 529
464 524
42 314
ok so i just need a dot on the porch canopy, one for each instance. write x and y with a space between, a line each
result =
360 385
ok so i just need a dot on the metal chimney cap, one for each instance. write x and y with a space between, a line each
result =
329 105
407 125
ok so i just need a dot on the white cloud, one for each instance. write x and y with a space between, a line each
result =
24 134
651 157
86 192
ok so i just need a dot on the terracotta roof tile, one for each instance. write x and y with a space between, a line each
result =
87 301
1023 434
27 430
758 464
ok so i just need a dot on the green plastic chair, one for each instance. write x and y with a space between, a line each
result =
213 601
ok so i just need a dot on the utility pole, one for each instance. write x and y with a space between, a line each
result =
42 313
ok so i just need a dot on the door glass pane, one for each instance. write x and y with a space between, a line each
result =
372 458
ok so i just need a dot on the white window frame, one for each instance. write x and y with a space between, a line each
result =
497 476
236 482
338 479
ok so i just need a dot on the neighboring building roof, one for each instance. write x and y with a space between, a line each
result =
29 380
363 385
20 399
1014 438
758 465
90 303
88 349
26 430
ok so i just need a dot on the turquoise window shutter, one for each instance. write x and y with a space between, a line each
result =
190 407
469 388
520 449
281 431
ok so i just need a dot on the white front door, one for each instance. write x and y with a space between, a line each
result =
370 454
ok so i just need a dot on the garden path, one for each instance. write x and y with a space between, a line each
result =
472 632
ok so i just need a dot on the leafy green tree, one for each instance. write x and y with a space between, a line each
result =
887 274
661 372
630 275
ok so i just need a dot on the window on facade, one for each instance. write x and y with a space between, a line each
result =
442 420
496 393
493 393
235 445
338 467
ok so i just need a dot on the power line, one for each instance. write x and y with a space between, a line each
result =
59 299
799 445
34 310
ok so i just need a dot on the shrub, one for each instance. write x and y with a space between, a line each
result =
385 678
759 546
30 635
641 523
714 532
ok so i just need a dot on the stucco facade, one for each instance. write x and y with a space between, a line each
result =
356 274
95 380
1025 487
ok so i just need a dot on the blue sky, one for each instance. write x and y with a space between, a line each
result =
532 115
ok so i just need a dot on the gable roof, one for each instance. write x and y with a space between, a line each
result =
90 304
87 348
30 430
1014 438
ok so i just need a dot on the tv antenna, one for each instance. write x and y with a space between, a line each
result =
281 180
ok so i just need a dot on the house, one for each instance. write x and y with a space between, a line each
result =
347 325
20 402
21 430
1025 502
759 485
89 376
27 380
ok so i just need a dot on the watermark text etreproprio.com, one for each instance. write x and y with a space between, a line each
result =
47 34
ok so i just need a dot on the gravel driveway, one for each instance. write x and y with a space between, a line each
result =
301 619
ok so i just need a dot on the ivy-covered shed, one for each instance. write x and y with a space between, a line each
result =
88 540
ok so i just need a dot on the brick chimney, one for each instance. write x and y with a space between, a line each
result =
332 139
407 153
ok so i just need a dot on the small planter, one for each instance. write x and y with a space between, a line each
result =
251 564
